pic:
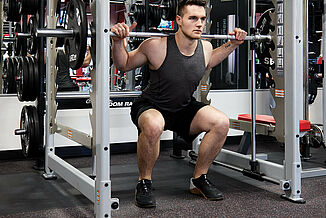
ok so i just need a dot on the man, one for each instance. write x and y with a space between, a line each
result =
176 64
64 81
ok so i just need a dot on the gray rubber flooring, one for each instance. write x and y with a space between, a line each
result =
24 192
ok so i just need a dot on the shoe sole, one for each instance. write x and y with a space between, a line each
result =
144 205
197 191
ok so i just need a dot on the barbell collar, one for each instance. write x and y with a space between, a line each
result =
204 36
60 33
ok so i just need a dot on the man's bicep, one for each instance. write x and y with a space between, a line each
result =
136 58
218 55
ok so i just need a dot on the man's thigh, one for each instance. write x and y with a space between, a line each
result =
205 118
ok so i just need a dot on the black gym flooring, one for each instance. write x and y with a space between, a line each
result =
24 192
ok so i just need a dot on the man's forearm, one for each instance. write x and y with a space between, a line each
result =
222 52
119 55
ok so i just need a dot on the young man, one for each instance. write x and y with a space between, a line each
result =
177 64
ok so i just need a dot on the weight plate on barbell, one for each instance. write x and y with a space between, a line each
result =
263 48
76 20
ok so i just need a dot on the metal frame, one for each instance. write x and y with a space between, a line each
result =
289 71
98 190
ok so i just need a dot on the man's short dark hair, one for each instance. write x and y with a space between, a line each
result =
183 3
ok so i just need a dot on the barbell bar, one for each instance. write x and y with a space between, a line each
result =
70 33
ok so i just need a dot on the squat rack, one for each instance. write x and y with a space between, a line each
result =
99 190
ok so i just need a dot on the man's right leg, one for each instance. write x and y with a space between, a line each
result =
151 125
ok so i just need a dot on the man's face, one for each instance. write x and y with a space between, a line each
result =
193 21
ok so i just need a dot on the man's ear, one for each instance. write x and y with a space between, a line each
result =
178 19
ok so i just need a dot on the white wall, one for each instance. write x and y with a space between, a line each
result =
236 102
9 121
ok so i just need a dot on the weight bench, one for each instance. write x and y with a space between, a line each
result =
265 124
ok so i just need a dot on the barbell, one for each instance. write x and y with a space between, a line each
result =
70 33
76 33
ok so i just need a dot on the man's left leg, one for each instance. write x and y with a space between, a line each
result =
216 125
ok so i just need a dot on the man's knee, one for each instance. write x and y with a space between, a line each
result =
151 125
221 124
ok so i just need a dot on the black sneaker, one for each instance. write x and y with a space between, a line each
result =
143 194
202 186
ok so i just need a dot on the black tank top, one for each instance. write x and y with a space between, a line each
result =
172 85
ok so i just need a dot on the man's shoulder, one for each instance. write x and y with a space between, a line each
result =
155 40
207 44
154 43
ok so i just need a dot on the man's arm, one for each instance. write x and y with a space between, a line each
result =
222 52
87 58
122 59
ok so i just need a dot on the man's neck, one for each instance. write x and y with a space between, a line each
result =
186 45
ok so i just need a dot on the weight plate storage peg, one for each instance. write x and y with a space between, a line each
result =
29 131
75 46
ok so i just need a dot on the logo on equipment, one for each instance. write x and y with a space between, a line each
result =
121 102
